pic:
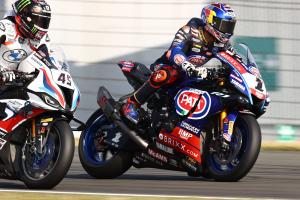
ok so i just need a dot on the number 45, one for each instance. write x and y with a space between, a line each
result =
65 79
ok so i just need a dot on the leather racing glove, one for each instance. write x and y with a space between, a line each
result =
192 70
7 76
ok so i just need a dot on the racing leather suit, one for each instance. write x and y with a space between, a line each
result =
188 45
13 50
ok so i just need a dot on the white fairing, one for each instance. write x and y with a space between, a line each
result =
49 82
30 64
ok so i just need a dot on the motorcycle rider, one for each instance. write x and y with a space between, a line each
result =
191 48
22 31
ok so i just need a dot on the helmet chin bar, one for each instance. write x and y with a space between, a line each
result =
216 34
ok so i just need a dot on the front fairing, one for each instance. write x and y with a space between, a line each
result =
245 77
54 85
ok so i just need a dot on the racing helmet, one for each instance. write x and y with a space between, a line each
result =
32 17
219 21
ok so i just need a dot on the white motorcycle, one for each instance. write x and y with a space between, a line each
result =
36 140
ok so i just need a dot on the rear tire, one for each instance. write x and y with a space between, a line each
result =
60 144
247 139
116 165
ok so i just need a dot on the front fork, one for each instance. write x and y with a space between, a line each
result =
39 134
227 120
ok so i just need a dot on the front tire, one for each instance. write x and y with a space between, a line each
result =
244 150
97 158
45 171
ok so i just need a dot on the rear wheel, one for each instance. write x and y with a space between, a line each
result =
97 158
244 148
45 169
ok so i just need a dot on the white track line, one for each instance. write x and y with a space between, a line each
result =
134 195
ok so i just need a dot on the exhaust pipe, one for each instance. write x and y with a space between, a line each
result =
109 108
132 134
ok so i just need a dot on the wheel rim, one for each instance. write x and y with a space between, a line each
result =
95 150
37 166
226 163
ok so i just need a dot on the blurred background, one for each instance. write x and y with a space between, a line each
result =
96 34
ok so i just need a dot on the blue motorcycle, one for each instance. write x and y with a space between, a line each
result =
206 128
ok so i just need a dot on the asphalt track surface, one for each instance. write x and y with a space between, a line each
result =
275 175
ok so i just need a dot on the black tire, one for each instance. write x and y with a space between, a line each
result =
63 154
119 162
237 167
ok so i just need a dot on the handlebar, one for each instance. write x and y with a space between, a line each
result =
216 73
21 79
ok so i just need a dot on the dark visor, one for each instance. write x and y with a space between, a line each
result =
224 26
41 21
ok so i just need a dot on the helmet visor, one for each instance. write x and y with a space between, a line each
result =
224 26
41 21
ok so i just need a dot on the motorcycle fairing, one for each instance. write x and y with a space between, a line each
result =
180 145
136 73
17 115
252 84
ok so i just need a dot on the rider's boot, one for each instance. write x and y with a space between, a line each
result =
131 110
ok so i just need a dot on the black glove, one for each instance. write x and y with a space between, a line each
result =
192 70
8 76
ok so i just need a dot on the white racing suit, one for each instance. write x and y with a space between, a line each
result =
14 47
13 50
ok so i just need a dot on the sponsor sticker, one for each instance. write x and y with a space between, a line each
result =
186 136
180 146
164 148
189 127
157 155
197 59
236 78
186 100
179 59
233 62
127 66
237 84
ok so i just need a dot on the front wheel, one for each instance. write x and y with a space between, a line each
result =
97 158
45 169
242 154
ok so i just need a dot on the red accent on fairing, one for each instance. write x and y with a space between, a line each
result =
180 145
258 94
10 124
238 66
61 98
186 136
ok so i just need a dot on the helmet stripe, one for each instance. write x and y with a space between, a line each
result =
210 17
22 4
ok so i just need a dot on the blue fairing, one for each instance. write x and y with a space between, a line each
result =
240 85
209 106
